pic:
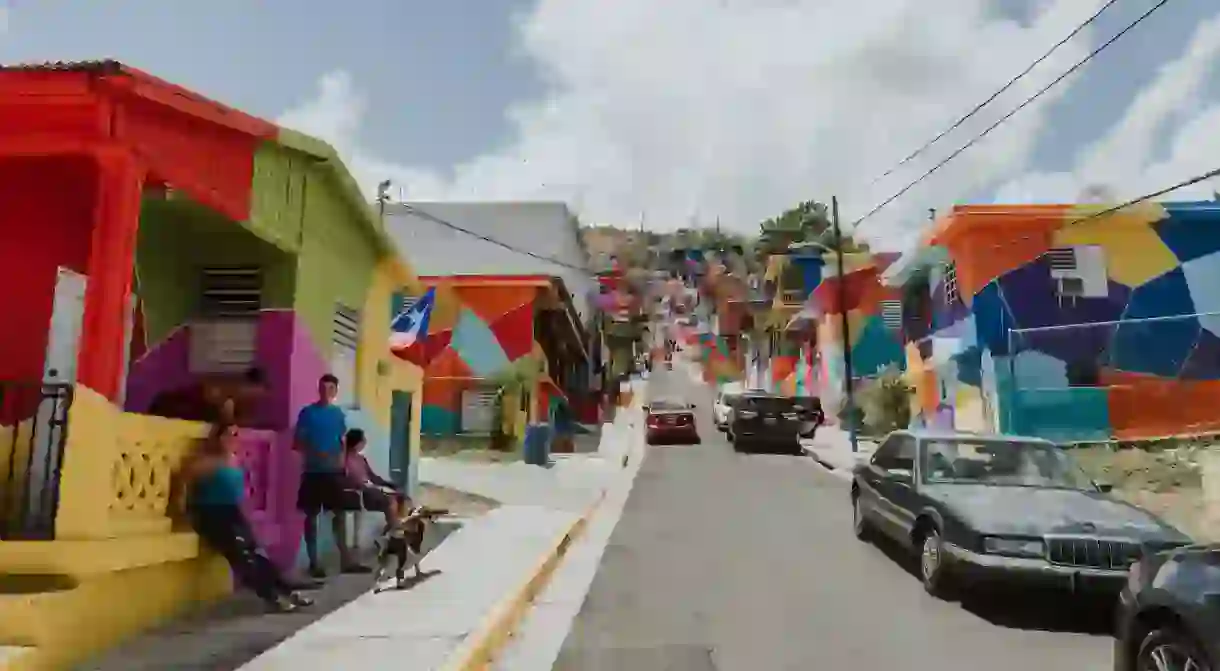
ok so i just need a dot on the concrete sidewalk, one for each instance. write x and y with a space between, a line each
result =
484 568
422 627
832 449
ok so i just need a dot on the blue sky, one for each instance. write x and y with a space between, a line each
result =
438 78
691 108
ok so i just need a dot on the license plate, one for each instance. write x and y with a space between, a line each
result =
769 420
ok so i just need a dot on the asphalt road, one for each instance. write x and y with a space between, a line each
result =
747 562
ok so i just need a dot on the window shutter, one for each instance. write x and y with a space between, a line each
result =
231 292
891 314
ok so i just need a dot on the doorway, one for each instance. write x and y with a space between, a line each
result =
401 403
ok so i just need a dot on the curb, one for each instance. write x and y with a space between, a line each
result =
829 468
481 646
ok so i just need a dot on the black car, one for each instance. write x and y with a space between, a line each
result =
1169 612
996 507
761 420
813 417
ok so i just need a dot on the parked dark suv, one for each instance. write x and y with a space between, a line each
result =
1169 612
761 420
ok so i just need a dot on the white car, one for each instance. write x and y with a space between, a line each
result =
725 395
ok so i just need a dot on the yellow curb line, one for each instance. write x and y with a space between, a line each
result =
480 647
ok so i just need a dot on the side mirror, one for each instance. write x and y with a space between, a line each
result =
645 408
1104 487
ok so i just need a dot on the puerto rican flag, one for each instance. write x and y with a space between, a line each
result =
409 329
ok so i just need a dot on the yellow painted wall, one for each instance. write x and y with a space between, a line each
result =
113 540
380 373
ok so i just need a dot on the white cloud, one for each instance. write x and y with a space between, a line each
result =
740 108
1125 159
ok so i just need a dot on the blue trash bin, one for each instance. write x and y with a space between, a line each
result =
537 444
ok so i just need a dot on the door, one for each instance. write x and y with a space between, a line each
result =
59 368
888 485
400 439
67 316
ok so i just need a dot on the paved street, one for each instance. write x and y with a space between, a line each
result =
736 562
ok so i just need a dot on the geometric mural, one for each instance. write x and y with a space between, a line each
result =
1082 367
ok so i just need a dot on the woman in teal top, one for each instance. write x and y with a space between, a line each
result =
216 489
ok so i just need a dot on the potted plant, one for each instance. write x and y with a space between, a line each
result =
513 382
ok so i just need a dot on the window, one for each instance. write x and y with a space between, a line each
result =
891 314
345 341
951 291
231 292
896 454
478 410
1079 271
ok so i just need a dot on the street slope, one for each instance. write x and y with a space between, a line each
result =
747 563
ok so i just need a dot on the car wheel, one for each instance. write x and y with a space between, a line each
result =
933 568
1170 648
859 522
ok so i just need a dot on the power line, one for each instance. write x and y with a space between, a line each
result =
1079 64
409 209
1155 194
1011 82
1007 242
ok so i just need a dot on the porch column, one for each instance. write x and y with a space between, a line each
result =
111 257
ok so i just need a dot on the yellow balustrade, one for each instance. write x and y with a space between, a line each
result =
119 566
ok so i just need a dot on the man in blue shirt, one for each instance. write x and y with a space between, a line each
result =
319 438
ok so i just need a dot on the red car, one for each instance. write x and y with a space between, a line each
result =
669 422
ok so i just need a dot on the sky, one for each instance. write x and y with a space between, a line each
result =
690 111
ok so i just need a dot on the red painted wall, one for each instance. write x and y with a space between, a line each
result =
45 222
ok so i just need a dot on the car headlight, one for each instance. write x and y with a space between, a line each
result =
1014 547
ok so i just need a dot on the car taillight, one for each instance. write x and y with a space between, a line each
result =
747 414
792 416
654 421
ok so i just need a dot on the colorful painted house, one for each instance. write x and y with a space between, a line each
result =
497 309
1064 322
151 236
873 316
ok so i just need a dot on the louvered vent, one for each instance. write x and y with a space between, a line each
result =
231 292
891 314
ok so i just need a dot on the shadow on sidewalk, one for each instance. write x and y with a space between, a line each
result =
227 635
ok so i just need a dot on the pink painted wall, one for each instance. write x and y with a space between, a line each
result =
292 365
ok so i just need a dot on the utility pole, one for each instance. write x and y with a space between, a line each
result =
848 383
383 197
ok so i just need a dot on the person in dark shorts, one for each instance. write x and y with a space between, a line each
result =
320 428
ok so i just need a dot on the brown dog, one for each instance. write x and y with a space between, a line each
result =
403 542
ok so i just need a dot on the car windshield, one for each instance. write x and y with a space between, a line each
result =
730 399
666 404
1000 462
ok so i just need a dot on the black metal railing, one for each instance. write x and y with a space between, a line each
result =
33 433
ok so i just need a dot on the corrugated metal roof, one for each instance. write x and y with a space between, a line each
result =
106 66
542 228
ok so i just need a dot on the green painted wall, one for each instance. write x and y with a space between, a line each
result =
277 205
337 260
177 239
